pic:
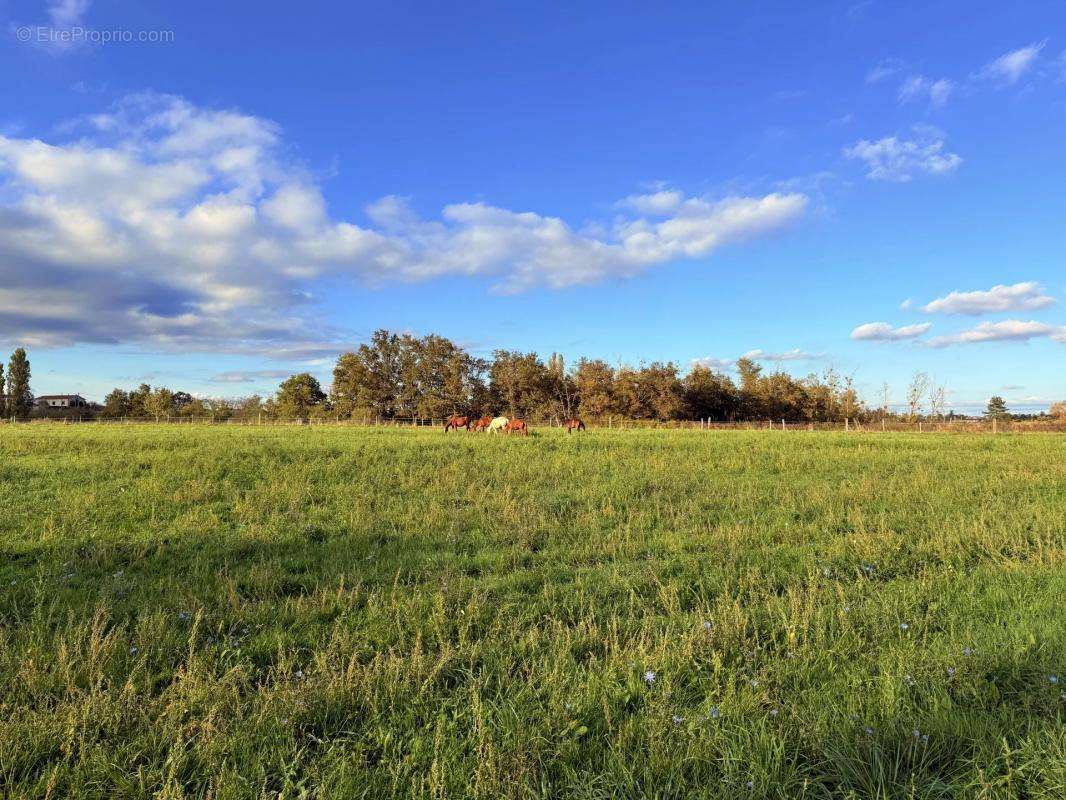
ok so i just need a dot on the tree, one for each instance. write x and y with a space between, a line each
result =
997 408
138 401
116 405
3 394
915 392
20 398
370 380
299 396
708 394
594 384
1058 410
159 403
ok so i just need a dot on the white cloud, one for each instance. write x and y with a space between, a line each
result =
250 376
1010 330
884 69
921 88
67 13
183 227
1008 69
756 355
901 160
883 332
1026 296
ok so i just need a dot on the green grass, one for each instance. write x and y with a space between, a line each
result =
344 612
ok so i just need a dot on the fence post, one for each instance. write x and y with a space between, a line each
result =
993 425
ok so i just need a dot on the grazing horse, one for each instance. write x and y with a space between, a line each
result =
498 424
516 426
456 422
574 424
482 424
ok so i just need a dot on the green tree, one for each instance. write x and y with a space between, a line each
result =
709 394
997 408
160 403
3 394
300 396
116 405
138 401
595 388
370 380
20 398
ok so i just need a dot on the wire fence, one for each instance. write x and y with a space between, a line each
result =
607 423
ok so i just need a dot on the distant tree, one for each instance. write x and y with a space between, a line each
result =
997 408
299 396
138 401
594 384
20 398
370 380
517 382
159 404
3 394
709 395
661 390
751 399
116 405
915 392
1058 410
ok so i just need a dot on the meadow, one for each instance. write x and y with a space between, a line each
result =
345 612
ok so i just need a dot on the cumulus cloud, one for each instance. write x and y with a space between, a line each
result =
922 89
185 227
901 160
1010 330
250 376
796 354
883 332
1025 296
1009 68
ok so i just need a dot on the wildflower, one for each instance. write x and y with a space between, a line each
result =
678 719
707 625
299 673
907 679
869 731
133 651
847 608
751 784
825 571
119 573
925 738
184 616
903 626
966 651
774 712
951 672
917 734
1053 679
754 683
714 713
649 677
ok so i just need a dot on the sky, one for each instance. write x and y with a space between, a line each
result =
213 196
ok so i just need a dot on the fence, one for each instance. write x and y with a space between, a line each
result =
610 423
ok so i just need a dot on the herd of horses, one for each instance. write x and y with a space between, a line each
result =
502 425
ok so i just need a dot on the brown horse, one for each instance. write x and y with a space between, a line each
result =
516 426
574 424
456 422
482 424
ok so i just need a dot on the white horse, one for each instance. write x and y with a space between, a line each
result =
498 424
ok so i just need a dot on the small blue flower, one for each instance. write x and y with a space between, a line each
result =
1053 679
917 734
754 683
707 625
869 731
951 672
774 712
133 651
907 679
967 651
299 673
649 677
903 626
678 719
714 713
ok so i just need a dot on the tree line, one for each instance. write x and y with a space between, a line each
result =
401 376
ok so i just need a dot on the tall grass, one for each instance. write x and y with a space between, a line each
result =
346 612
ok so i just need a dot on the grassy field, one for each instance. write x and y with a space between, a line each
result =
342 612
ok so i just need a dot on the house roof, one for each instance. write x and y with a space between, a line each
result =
59 397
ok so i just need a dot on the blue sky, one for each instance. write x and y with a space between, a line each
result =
874 186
